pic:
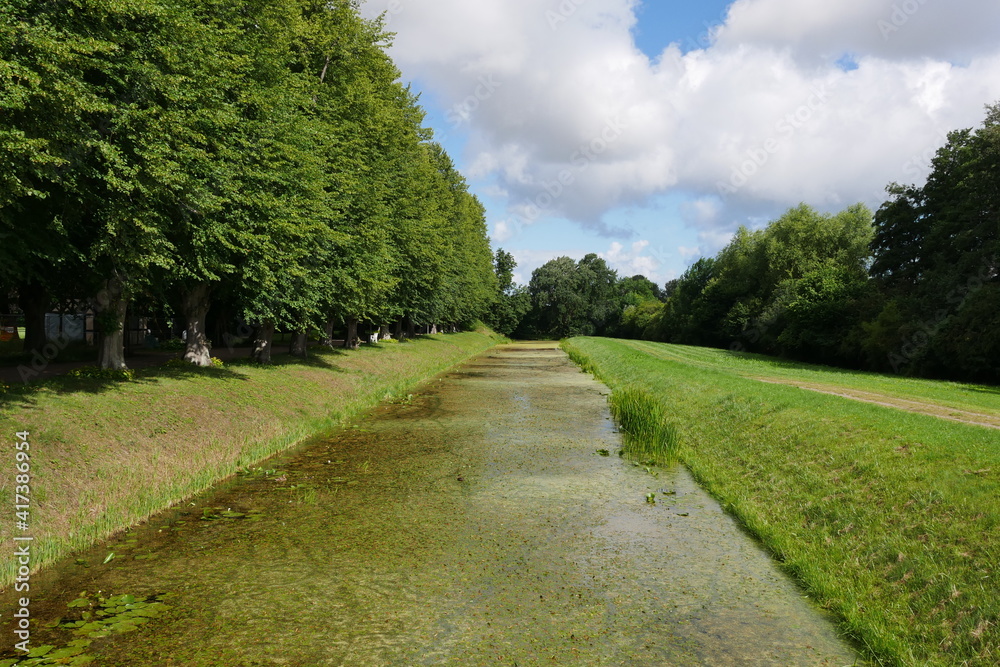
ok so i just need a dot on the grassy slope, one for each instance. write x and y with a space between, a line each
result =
976 398
106 455
889 518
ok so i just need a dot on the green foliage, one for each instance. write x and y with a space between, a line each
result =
95 373
644 421
866 506
795 287
571 298
188 366
263 149
173 345
511 302
915 292
937 260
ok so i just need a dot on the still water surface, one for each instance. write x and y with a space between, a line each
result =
474 524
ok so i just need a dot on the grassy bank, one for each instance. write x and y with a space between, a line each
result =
888 518
108 454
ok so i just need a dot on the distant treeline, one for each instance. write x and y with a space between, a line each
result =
913 289
256 158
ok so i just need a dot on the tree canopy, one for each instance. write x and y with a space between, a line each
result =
259 153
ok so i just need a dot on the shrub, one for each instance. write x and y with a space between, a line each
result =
95 373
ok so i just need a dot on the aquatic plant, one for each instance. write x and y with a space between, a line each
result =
649 437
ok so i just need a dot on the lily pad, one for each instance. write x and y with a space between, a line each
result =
123 627
67 652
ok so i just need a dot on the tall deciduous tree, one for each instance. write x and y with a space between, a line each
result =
937 257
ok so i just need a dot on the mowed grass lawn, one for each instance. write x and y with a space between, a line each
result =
890 519
108 454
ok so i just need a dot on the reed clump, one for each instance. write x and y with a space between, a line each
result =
649 437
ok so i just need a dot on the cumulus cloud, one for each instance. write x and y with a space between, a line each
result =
632 260
570 119
953 31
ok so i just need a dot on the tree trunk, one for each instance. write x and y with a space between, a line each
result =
351 338
434 329
299 345
261 350
328 333
111 307
383 332
411 328
195 306
33 299
398 333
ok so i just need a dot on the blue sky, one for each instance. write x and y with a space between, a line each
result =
677 21
631 130
659 25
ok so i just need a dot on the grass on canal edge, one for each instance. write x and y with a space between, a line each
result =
107 454
889 519
649 437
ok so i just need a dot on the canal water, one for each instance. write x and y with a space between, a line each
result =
476 522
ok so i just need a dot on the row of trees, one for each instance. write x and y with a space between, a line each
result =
792 288
260 153
914 288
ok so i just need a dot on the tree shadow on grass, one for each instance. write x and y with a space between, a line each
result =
982 389
23 394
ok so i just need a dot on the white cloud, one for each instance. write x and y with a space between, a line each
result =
503 231
628 260
689 253
633 260
572 120
529 260
955 31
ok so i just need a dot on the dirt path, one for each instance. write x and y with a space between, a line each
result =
476 524
923 407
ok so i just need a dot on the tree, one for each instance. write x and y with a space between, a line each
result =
803 273
572 298
54 156
511 302
937 258
558 305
